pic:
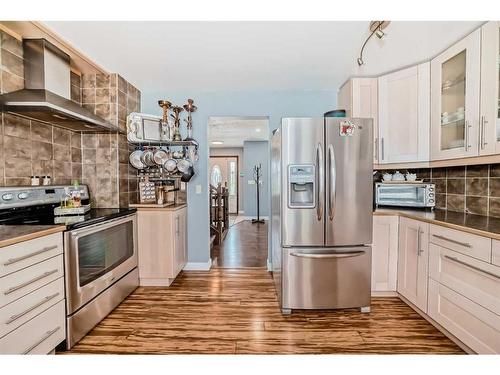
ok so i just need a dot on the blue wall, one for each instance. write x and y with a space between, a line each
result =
255 153
275 104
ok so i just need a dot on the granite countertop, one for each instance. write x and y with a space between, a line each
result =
12 234
481 225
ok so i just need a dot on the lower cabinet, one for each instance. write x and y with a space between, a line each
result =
385 253
162 244
413 259
32 300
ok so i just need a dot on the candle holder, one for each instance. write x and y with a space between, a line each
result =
166 127
177 123
190 108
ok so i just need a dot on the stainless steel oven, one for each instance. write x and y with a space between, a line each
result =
405 195
101 270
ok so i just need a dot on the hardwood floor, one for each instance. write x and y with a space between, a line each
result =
235 311
244 246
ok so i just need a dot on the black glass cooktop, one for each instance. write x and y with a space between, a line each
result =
44 215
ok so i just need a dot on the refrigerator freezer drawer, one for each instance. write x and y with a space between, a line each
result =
326 278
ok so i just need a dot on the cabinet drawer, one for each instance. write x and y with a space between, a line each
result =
472 278
20 283
495 252
465 243
24 254
40 335
25 308
472 324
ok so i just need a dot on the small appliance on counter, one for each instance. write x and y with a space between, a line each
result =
405 194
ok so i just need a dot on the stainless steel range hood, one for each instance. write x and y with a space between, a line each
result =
47 92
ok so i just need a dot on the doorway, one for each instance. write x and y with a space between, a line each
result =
236 146
224 170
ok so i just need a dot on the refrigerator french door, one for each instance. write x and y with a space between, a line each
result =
325 213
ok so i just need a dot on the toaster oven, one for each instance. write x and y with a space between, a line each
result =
405 195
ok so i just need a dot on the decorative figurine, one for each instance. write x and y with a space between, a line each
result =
177 123
190 108
165 124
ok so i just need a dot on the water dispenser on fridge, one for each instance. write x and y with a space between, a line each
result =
301 180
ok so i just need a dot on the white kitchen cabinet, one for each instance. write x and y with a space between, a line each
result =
358 97
404 115
489 122
455 90
474 325
32 300
385 253
413 259
162 244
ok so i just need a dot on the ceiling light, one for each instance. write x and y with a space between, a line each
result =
379 33
217 142
258 130
376 27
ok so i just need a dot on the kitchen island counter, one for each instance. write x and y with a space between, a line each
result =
12 234
475 224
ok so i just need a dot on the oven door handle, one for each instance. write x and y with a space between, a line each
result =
101 226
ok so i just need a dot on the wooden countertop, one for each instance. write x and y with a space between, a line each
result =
12 234
156 207
475 224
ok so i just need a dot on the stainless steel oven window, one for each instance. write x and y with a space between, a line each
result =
100 252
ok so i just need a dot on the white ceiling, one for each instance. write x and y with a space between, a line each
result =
233 131
235 56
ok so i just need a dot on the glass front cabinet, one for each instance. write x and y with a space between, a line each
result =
465 96
455 89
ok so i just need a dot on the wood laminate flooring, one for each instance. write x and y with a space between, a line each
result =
244 246
235 311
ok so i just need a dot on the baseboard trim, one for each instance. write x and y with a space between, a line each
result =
384 294
438 326
255 217
198 266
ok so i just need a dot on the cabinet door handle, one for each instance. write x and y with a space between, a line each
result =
20 286
13 318
485 122
382 147
465 244
376 148
456 260
18 259
467 127
45 337
419 247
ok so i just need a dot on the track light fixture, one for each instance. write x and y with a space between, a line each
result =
376 27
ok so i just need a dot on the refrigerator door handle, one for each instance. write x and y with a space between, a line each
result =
332 181
328 255
320 181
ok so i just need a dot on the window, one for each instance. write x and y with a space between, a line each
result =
216 175
232 178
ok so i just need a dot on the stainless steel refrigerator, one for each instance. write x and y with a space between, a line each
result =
321 203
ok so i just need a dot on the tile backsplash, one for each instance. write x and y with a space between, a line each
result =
473 189
29 147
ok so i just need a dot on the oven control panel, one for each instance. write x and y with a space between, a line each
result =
23 196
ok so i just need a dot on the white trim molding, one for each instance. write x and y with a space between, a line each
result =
198 266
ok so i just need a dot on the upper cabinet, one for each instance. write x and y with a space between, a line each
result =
358 97
403 109
489 122
455 90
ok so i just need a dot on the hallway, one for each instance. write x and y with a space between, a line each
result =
244 246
